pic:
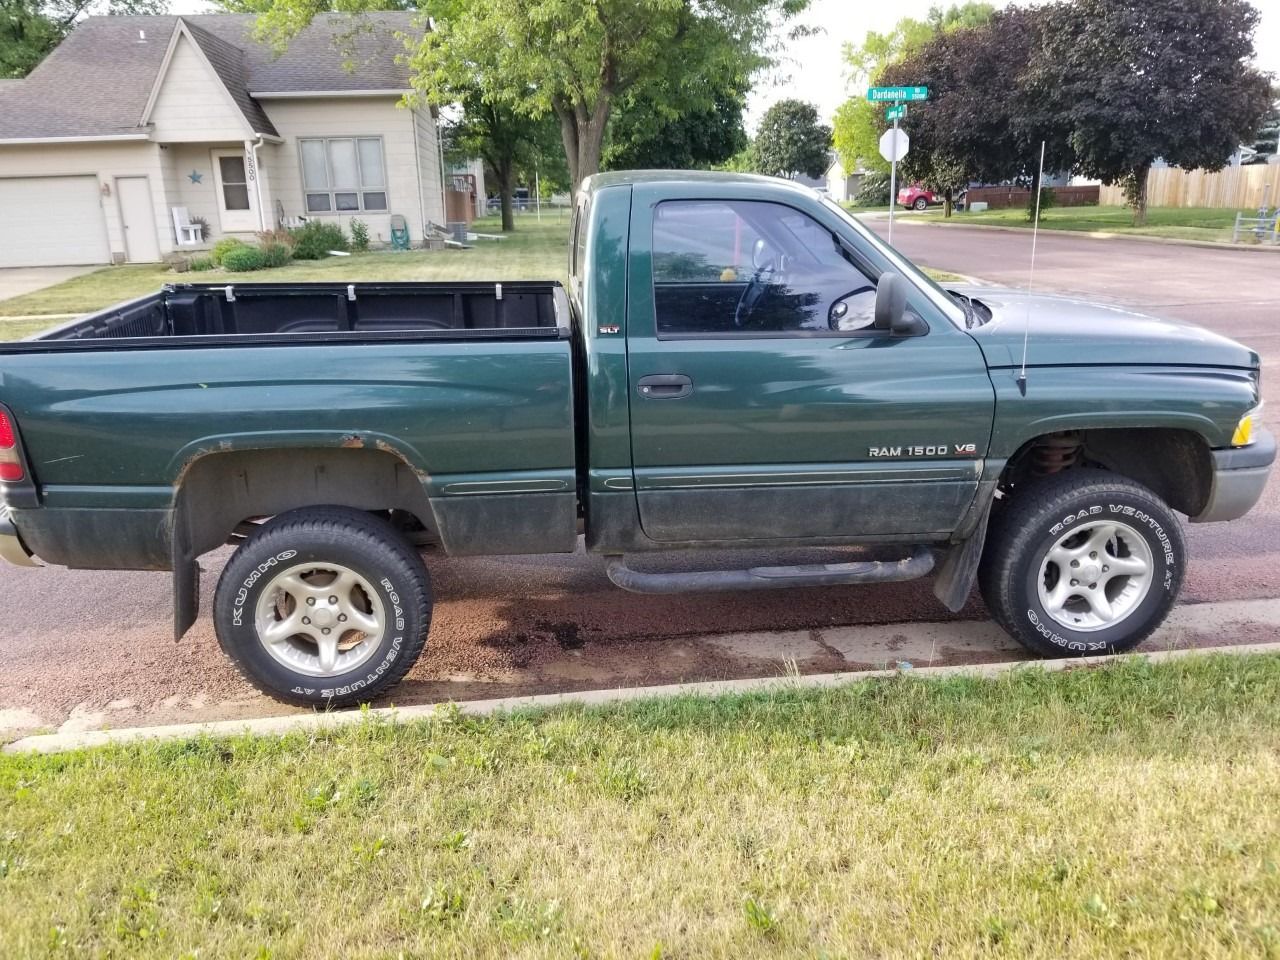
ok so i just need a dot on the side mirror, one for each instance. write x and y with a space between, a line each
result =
891 308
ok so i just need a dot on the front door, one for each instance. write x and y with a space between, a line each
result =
234 176
138 218
764 404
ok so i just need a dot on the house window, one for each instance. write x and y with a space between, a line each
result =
344 175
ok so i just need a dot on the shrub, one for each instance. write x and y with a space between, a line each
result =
359 236
244 258
201 264
278 235
276 254
873 191
313 240
224 246
1047 199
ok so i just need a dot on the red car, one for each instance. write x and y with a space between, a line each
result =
917 197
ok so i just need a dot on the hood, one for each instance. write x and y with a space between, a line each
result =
1064 330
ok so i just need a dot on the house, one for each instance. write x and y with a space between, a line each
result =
842 186
133 118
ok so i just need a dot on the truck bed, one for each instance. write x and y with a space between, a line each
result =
278 312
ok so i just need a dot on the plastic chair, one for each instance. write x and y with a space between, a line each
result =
189 234
399 232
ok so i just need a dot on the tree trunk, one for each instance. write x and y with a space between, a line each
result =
1140 195
506 190
582 131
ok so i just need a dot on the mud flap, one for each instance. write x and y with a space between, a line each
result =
186 579
959 569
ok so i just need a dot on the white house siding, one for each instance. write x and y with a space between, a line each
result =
429 170
193 105
403 149
106 161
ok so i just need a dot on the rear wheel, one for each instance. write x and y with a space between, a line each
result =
324 605
1082 563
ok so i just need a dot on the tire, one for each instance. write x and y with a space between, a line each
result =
1051 530
280 580
921 203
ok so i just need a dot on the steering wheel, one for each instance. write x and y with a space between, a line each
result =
751 295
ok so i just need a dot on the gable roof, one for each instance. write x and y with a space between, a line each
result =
99 82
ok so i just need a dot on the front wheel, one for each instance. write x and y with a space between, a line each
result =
921 203
323 606
1083 563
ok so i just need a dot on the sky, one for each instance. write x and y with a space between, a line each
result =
814 69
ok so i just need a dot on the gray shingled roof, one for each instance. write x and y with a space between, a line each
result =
97 82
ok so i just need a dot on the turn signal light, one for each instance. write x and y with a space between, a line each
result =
1245 428
10 463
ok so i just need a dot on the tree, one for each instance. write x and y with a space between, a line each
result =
641 138
1268 136
986 116
30 29
858 123
1141 79
511 144
792 141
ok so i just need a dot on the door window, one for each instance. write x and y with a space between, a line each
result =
748 268
235 183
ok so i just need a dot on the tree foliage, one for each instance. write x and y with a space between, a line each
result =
791 140
858 123
1141 79
986 116
577 58
642 138
30 29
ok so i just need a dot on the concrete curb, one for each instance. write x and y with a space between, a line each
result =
278 726
1100 235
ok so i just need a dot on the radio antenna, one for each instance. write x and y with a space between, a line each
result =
1031 277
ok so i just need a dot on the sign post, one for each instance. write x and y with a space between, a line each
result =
895 143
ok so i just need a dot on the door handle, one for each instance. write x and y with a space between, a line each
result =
664 386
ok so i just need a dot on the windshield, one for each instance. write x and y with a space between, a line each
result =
940 297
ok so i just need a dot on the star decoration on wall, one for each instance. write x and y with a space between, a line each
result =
195 176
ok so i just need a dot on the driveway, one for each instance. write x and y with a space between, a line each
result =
15 281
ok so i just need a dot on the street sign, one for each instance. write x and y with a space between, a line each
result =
894 144
896 112
897 94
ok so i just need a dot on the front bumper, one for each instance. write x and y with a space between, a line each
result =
1239 474
12 548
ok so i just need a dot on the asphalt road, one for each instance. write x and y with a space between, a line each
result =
82 648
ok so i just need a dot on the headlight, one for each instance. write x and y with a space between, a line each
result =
1246 428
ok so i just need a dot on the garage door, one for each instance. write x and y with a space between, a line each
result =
51 221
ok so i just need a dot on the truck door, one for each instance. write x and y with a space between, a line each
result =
764 406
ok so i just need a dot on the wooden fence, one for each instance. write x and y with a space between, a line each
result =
1238 188
1002 198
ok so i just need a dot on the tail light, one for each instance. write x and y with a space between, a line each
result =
10 459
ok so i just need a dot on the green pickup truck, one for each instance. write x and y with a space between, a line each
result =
736 363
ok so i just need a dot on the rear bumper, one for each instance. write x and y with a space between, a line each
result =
12 548
1239 476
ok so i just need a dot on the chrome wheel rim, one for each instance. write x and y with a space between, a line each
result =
320 619
1095 576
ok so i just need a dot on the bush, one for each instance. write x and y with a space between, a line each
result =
223 247
202 264
278 235
313 240
276 254
359 236
244 258
1047 199
873 191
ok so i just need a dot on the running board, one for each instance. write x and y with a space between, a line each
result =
917 565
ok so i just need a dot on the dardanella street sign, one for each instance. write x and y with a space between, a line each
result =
897 94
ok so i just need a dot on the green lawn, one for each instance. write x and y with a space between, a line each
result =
1187 223
533 251
1129 810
